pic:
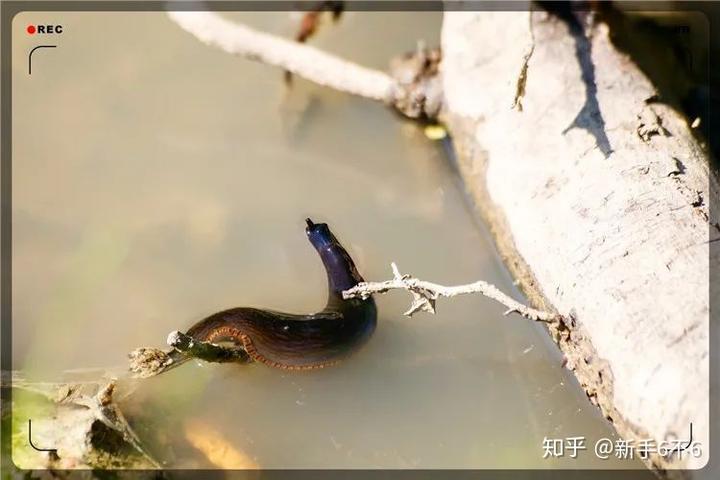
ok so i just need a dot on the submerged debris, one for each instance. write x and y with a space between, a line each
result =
147 362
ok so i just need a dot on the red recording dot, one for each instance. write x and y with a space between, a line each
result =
31 29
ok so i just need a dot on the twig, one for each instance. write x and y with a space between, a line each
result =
426 293
148 362
303 60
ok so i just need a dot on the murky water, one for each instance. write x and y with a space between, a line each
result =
157 180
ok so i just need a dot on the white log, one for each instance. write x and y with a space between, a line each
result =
606 224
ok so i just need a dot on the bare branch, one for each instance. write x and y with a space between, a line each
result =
147 362
303 60
413 86
426 293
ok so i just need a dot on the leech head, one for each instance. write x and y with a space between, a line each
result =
319 235
340 268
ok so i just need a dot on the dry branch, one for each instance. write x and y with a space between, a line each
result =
426 293
303 60
147 362
413 89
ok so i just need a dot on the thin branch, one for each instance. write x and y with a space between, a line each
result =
303 60
147 362
426 293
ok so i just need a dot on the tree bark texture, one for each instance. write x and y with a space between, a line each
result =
597 197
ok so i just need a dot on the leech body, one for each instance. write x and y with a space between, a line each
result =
301 342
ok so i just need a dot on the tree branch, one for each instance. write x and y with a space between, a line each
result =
413 87
147 362
303 60
426 293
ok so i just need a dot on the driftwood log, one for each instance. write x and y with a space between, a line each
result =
598 201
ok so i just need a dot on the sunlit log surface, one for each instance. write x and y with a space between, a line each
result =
598 200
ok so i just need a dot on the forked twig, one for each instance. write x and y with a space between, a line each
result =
426 293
